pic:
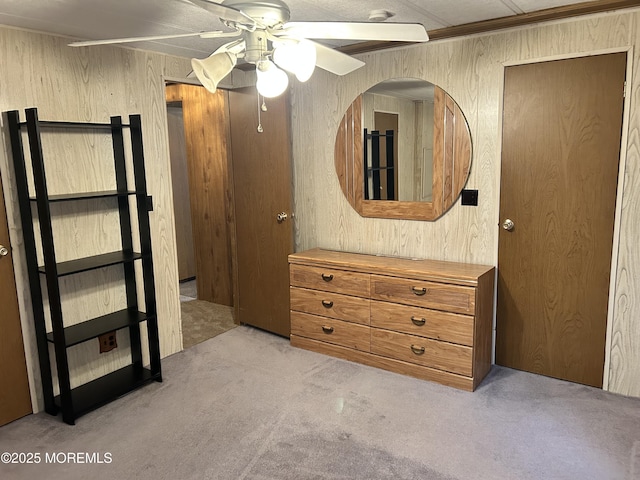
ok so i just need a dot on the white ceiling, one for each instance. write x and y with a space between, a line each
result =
102 19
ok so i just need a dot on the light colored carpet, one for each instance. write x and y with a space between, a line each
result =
246 405
204 320
188 290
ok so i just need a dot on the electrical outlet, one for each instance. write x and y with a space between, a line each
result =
108 342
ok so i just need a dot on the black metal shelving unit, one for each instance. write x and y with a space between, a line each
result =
374 169
74 402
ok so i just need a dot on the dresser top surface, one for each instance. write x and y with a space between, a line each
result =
437 270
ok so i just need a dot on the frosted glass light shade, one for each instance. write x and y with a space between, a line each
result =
271 81
298 58
213 69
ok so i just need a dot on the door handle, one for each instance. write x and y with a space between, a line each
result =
508 225
281 217
3 251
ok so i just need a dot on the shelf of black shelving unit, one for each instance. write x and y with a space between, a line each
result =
72 125
90 329
379 169
91 263
86 196
107 388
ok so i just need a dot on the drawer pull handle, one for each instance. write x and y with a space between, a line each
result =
327 330
327 303
327 278
419 291
417 350
419 322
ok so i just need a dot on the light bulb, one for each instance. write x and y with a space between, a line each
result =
271 80
298 58
306 60
284 55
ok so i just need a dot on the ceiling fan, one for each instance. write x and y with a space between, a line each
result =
268 40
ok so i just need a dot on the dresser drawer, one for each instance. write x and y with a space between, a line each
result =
328 304
422 351
330 330
450 327
330 280
439 296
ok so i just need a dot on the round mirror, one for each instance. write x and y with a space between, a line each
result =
403 150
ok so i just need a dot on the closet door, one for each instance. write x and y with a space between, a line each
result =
264 227
560 153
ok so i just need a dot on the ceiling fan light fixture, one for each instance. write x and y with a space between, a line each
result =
263 25
298 58
271 81
213 69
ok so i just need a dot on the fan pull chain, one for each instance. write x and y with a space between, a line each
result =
260 129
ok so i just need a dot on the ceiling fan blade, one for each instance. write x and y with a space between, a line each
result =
89 43
335 62
224 12
393 32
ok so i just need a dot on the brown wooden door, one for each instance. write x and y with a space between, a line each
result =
15 399
262 189
562 125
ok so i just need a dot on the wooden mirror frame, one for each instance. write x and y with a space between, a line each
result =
451 162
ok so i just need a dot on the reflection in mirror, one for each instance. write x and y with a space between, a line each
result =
403 150
398 148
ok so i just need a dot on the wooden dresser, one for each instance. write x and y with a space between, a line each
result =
428 319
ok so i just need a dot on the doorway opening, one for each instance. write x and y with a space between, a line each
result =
240 198
200 211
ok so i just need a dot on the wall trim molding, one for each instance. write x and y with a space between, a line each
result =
548 14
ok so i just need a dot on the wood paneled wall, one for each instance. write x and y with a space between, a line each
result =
471 70
91 84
